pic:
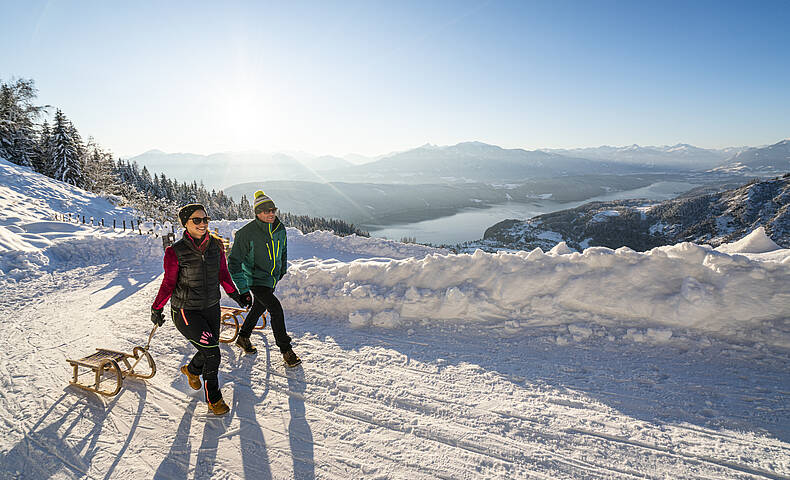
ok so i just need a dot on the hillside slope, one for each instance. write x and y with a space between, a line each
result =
712 219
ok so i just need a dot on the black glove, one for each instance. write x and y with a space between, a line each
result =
243 299
156 316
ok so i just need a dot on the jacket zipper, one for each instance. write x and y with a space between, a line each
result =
205 279
274 251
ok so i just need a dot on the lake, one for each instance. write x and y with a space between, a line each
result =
469 224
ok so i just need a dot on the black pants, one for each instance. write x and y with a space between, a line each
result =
201 328
265 300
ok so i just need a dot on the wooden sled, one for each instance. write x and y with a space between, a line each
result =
106 364
231 320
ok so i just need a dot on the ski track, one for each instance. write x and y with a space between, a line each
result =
454 402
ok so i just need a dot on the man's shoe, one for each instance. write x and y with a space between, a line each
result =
194 380
291 359
244 343
219 407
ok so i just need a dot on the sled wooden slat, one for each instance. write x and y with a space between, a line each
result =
105 363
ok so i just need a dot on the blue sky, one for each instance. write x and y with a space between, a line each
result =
372 77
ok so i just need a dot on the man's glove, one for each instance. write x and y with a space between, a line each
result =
243 299
156 316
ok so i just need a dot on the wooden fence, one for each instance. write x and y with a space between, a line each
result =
168 238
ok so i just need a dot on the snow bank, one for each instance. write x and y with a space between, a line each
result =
78 251
130 249
680 286
755 242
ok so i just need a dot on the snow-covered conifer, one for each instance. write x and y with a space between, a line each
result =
18 118
66 152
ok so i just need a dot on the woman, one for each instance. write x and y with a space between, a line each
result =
195 268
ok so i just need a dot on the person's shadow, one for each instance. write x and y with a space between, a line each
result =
299 434
176 464
254 457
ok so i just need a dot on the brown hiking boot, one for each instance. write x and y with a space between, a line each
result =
194 380
291 359
244 343
219 407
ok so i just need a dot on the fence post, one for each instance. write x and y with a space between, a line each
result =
124 225
113 224
102 222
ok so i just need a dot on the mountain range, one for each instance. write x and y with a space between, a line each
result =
681 155
771 159
461 163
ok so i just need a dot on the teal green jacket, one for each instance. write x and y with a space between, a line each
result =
259 256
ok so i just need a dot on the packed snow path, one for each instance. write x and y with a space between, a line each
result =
452 401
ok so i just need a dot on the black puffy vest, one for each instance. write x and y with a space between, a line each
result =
197 287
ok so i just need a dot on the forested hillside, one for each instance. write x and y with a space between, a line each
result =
712 218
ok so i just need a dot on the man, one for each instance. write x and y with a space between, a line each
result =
258 260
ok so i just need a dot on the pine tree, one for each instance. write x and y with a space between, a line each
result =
98 169
245 209
79 146
145 182
65 153
43 163
18 121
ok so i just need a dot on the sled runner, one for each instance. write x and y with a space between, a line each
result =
229 323
111 366
231 320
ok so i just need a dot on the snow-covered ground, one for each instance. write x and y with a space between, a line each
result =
673 363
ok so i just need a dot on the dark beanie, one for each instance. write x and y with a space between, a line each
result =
262 202
187 211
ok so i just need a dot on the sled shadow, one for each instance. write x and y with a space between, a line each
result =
56 448
716 386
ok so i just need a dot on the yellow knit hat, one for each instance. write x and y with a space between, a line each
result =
262 202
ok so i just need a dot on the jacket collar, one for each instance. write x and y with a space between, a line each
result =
192 242
265 226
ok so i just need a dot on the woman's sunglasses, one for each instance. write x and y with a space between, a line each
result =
199 220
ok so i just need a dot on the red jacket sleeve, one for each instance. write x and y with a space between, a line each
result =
170 279
224 274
